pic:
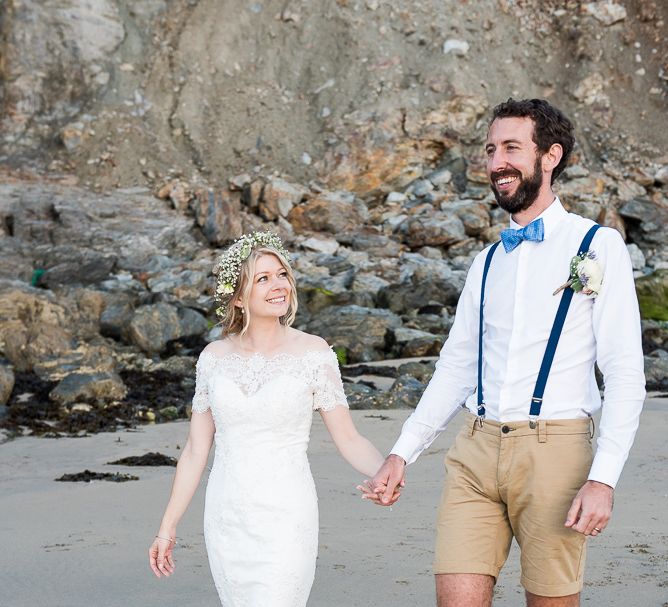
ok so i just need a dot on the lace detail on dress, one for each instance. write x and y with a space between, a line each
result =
319 368
201 402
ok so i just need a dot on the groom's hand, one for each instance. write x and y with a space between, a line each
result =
591 509
389 480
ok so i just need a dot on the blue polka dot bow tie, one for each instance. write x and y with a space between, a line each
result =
511 239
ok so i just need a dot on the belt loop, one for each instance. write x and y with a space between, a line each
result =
592 427
475 421
542 431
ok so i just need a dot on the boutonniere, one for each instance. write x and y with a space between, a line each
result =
586 275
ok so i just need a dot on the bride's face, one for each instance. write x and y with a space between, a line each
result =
270 293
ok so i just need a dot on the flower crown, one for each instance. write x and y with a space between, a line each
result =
228 267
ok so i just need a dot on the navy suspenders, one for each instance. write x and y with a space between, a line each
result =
488 261
553 340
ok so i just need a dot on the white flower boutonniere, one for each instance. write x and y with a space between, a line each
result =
586 275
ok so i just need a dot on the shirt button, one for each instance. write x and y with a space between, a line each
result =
505 429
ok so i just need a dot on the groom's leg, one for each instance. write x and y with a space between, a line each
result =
464 590
533 600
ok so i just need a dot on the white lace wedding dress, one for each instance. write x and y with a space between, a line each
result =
261 512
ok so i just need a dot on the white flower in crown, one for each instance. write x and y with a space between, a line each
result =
586 275
228 267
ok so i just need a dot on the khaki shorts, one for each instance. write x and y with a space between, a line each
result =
507 480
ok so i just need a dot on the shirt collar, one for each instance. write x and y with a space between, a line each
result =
551 217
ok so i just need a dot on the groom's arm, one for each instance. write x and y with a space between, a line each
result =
616 325
454 380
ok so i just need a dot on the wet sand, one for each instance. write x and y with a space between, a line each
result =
78 544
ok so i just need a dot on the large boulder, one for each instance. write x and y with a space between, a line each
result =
333 212
279 197
435 231
656 371
153 326
363 334
413 342
89 387
425 282
33 325
218 213
646 220
70 264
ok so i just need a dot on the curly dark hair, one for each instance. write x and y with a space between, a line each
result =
550 126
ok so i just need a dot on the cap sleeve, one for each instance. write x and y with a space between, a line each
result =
328 388
201 402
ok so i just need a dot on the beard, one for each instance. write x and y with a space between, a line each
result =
525 194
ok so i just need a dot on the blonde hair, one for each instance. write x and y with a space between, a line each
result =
235 321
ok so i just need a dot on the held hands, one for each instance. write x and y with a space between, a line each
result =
160 554
591 509
384 489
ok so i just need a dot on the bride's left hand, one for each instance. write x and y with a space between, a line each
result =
160 557
368 493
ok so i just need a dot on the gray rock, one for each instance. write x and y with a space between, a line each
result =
361 397
413 343
362 333
608 13
191 323
321 290
67 264
279 197
651 220
432 231
575 171
395 197
654 334
656 372
85 358
239 182
661 176
116 317
405 393
420 188
419 370
333 212
321 245
153 326
365 288
440 177
637 256
432 282
430 252
6 383
179 366
377 245
89 387
475 217
218 213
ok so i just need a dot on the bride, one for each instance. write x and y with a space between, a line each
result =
255 393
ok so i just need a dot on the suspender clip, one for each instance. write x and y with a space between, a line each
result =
533 421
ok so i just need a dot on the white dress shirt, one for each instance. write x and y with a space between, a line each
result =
519 313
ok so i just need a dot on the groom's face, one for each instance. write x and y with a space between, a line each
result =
514 167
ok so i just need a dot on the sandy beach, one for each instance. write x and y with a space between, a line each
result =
83 544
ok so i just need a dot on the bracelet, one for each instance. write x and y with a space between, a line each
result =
168 539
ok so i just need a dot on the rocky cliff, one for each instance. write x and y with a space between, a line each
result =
140 138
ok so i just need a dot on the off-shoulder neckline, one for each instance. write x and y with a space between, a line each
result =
272 357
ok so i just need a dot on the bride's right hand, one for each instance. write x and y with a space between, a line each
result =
160 554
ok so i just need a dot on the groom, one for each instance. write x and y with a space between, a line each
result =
522 365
